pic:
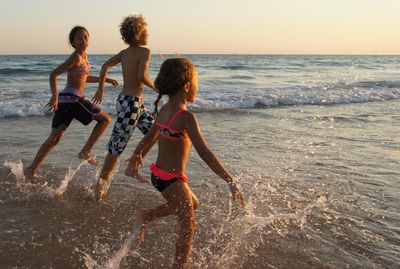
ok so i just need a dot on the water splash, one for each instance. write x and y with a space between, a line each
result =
67 179
115 260
17 169
272 211
37 190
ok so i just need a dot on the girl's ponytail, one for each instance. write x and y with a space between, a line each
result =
156 104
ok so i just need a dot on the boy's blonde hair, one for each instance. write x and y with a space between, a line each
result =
131 28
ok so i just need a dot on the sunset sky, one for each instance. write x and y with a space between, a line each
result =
207 26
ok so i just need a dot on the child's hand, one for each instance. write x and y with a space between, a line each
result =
113 82
135 161
141 178
132 170
236 193
53 103
98 97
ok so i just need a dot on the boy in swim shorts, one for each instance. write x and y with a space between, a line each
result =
135 61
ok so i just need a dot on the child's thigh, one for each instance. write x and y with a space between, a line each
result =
180 197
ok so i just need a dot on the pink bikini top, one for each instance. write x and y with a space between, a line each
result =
168 132
83 69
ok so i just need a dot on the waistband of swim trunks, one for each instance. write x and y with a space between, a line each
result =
73 91
68 98
129 97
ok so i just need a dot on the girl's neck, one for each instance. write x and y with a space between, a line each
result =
81 53
178 100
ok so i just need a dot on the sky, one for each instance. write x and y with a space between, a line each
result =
206 26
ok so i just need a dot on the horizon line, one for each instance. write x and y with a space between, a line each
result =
231 54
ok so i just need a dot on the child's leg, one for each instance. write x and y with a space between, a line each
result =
144 123
145 217
181 197
53 139
128 111
103 120
101 188
148 215
181 202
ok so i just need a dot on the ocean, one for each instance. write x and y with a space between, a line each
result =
313 141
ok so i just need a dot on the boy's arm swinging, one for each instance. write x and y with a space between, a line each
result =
98 96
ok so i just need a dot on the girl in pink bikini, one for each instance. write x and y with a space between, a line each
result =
70 104
176 129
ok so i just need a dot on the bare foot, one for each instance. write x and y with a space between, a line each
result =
132 173
30 176
84 155
100 190
141 225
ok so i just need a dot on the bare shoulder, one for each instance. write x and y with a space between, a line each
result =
188 113
144 52
123 52
144 49
73 60
74 57
189 118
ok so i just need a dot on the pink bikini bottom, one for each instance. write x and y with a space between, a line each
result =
166 175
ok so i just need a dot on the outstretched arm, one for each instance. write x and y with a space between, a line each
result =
209 158
143 75
94 79
98 96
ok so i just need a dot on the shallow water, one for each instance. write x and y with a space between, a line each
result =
322 187
313 140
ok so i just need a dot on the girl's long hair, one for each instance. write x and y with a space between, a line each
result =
174 74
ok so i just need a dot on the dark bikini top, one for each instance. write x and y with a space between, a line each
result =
83 69
168 132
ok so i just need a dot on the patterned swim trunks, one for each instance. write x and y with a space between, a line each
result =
131 113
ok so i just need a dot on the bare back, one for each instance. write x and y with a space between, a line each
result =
134 61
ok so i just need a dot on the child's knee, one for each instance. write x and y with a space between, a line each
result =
104 119
56 138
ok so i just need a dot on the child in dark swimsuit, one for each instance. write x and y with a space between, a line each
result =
70 104
176 129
